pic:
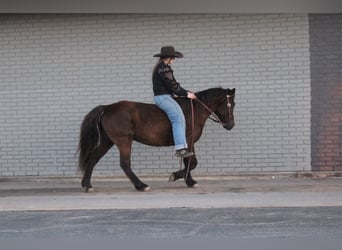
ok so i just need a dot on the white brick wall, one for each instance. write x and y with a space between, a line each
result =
55 68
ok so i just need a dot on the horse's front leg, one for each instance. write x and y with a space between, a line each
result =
189 164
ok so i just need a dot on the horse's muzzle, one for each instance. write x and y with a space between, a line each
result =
229 125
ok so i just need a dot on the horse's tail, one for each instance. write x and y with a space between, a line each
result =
90 137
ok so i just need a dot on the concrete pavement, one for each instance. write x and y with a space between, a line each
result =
271 190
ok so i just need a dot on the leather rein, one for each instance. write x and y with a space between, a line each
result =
215 118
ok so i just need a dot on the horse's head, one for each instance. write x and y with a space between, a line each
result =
225 109
220 104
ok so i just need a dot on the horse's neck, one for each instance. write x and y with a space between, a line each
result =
207 106
205 110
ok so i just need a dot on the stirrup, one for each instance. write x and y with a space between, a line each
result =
183 153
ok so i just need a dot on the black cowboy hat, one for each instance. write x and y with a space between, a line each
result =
169 51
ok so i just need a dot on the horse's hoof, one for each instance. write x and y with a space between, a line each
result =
90 190
193 184
143 188
172 178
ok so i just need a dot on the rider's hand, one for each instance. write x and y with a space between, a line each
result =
191 95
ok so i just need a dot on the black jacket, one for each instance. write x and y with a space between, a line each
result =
165 83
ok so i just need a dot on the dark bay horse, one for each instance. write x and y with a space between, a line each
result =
122 122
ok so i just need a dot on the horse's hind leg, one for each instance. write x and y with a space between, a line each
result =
125 149
103 148
189 164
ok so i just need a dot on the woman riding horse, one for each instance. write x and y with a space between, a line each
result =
122 122
165 87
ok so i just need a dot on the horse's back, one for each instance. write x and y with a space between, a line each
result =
134 110
144 122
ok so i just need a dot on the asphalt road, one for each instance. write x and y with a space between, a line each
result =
177 223
221 208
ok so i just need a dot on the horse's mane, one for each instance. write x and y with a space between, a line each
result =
211 95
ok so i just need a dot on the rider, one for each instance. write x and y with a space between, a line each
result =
165 87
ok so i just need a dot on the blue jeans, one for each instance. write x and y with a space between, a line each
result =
176 117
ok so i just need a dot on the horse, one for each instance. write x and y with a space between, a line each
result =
122 122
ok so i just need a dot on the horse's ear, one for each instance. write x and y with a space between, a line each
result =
231 91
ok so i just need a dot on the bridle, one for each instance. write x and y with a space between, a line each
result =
213 116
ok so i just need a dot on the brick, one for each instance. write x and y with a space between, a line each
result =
326 91
55 68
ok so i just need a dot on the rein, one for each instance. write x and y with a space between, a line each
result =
192 139
215 118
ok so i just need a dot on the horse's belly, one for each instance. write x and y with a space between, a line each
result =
154 137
